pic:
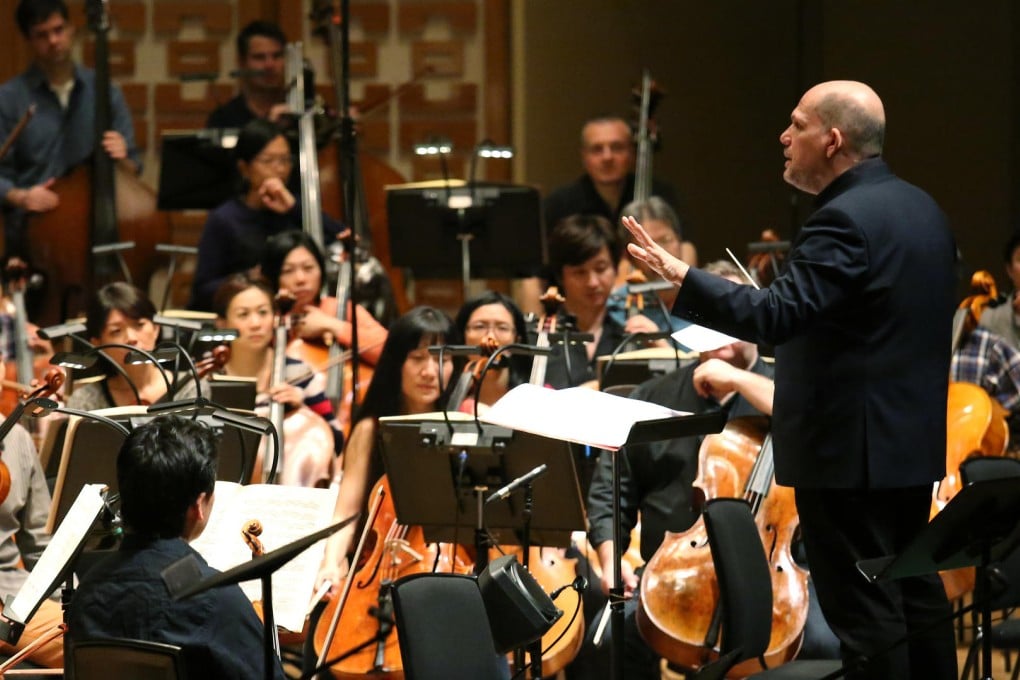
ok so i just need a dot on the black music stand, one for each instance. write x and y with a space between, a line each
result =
440 473
499 228
438 477
261 567
197 170
979 526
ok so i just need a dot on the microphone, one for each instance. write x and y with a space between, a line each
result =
520 481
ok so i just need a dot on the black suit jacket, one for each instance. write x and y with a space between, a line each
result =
861 322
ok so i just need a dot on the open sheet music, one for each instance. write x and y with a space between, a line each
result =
64 545
286 513
576 414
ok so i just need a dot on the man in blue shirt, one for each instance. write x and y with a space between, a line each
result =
61 133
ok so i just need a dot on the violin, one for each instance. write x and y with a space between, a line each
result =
365 609
51 383
678 613
460 396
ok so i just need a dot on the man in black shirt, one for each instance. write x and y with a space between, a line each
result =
260 58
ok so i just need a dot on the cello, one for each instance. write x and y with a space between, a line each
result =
364 610
122 209
678 613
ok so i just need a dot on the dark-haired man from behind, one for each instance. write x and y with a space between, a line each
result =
166 471
261 60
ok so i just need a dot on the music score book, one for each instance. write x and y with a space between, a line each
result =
576 414
287 513
64 545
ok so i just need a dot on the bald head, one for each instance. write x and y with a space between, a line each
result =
855 110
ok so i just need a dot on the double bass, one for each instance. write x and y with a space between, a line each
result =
120 208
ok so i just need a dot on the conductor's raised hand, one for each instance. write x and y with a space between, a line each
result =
670 268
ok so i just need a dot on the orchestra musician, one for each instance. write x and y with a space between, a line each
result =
166 472
1003 319
121 313
583 254
60 135
862 373
23 537
657 478
292 262
247 305
407 380
260 60
608 156
234 236
493 314
662 222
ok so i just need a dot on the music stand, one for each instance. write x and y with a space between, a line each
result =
197 170
979 526
89 454
433 488
499 228
261 567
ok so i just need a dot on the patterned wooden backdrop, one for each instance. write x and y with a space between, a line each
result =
419 68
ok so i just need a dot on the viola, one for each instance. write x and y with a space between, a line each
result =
52 381
678 612
366 613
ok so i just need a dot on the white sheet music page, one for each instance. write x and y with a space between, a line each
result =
576 414
700 339
287 513
65 541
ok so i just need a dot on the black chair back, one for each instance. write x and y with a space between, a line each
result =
742 571
444 630
124 658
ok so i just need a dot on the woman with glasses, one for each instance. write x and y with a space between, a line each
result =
235 232
491 317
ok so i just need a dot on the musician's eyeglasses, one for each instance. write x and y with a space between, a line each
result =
503 329
281 160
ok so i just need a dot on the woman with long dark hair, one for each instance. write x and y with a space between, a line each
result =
408 380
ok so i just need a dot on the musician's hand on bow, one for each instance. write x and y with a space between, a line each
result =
275 196
655 256
287 394
715 378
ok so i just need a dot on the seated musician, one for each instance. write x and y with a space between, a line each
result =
653 306
293 262
60 135
657 477
166 471
260 58
583 254
492 315
23 537
122 314
246 304
1002 316
407 380
233 239
984 358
